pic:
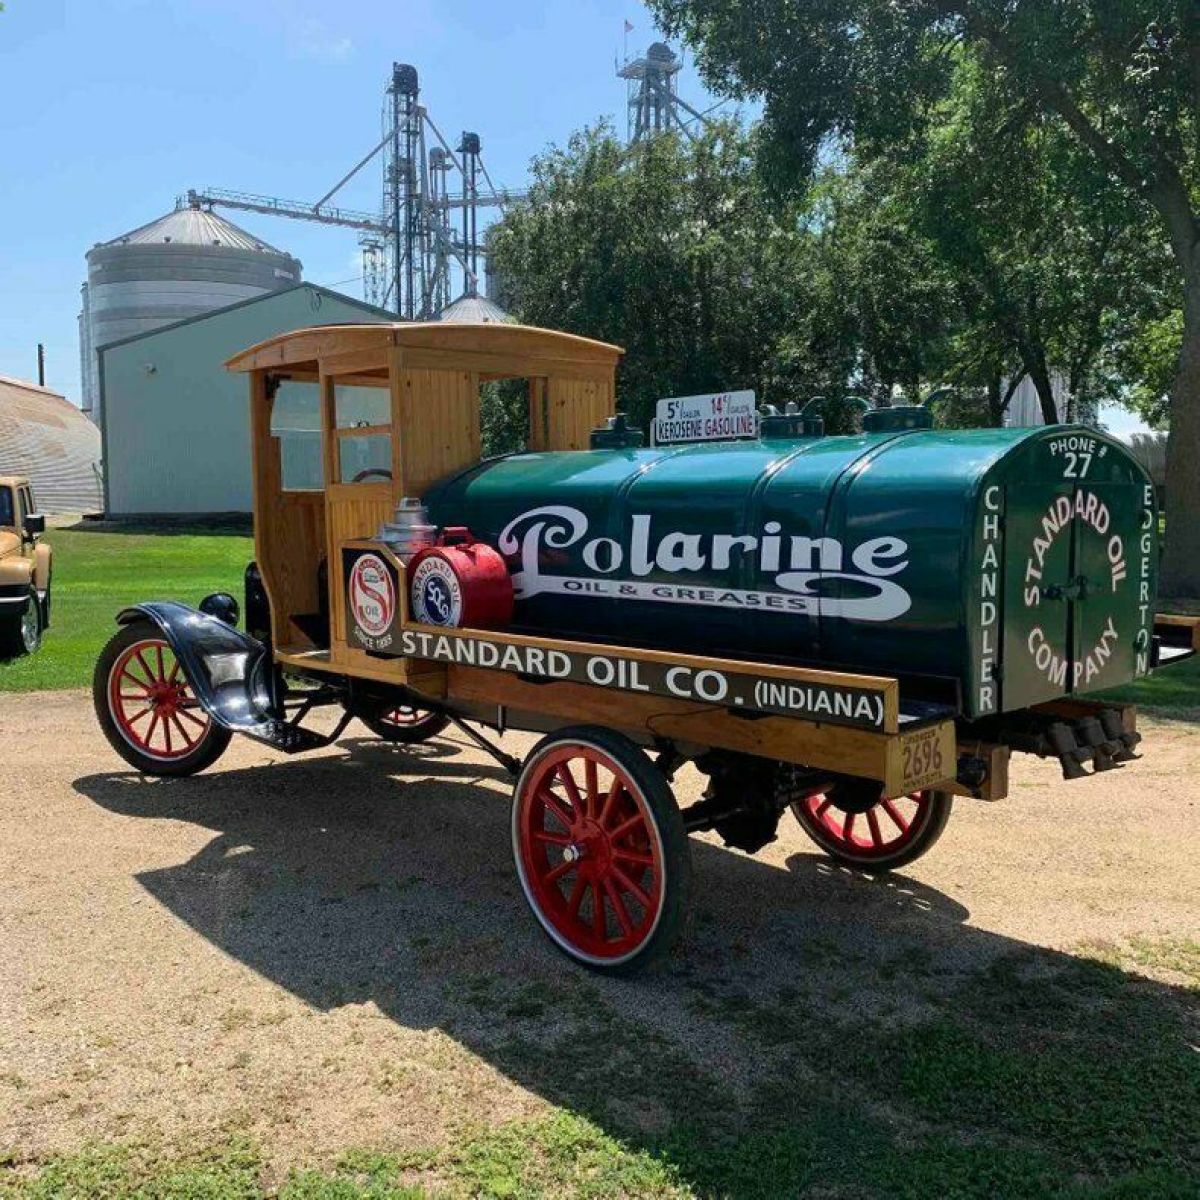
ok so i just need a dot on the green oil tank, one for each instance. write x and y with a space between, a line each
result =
995 568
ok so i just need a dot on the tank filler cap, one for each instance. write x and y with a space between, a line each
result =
896 418
617 434
793 422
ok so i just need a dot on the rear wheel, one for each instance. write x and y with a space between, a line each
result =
600 849
405 724
861 828
148 709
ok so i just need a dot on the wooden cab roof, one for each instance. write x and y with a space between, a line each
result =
496 350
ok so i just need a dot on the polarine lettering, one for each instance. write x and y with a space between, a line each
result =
799 565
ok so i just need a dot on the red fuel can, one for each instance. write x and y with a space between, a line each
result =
460 582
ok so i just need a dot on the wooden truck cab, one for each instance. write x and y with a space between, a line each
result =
394 408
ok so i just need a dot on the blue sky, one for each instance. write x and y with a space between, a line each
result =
111 108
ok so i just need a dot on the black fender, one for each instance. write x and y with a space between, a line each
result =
229 671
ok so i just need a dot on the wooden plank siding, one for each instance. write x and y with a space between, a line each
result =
437 426
353 510
574 408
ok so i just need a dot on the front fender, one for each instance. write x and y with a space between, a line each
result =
43 560
228 669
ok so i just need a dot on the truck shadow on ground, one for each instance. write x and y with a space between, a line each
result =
819 1030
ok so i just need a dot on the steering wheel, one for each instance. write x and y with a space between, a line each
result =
362 476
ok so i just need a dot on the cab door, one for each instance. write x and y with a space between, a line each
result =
359 473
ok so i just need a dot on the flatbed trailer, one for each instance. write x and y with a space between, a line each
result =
349 421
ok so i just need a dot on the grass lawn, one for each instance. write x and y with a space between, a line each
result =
97 574
1173 691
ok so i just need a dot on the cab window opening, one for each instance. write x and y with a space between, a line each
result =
296 425
504 416
362 428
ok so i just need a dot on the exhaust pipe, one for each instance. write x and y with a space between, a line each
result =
1071 755
1110 722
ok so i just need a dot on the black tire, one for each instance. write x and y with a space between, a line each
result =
420 727
643 801
824 819
210 745
22 635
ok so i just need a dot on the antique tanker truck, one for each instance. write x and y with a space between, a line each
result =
855 629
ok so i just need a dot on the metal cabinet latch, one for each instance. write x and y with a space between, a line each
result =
1074 589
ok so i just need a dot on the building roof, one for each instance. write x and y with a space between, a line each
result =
193 227
474 310
46 439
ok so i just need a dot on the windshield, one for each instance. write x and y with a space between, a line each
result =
6 507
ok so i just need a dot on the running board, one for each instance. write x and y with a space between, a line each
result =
295 739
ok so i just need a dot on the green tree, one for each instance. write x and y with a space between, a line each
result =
883 311
1044 249
1122 75
669 248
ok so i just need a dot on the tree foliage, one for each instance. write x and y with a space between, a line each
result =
668 248
1121 76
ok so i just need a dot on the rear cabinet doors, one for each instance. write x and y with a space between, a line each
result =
1070 597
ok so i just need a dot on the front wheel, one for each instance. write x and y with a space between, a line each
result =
861 828
23 635
600 849
148 709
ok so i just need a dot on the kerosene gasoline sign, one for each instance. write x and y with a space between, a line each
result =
712 418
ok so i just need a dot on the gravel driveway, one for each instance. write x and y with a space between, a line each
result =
333 950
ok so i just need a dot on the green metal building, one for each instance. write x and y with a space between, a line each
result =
175 423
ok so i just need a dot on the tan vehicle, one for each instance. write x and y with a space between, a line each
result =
24 570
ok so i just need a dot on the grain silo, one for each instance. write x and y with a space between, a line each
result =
474 310
185 263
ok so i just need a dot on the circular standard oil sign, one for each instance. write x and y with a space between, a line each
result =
436 592
372 595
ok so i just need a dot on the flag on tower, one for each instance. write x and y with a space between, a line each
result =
628 26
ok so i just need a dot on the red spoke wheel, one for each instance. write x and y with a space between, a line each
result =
148 709
857 825
405 724
600 849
